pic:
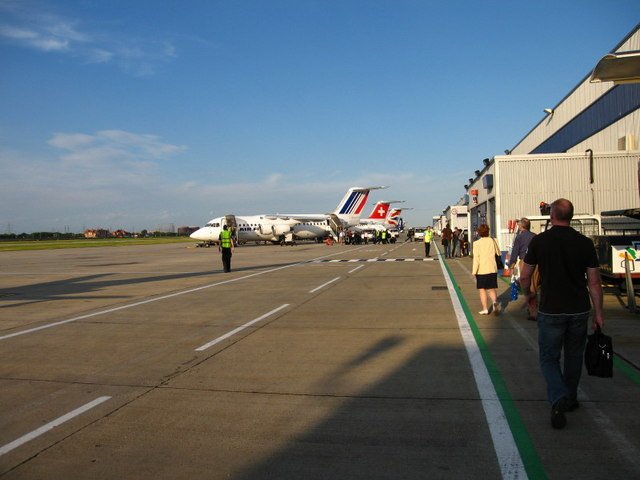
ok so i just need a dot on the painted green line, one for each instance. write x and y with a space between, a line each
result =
630 372
530 458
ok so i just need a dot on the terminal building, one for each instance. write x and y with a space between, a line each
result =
586 149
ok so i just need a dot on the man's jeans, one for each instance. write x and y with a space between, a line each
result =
556 332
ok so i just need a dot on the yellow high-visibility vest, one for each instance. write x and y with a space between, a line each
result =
225 239
428 236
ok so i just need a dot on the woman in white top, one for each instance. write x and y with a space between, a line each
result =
485 269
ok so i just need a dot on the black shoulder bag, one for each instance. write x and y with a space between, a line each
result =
499 263
598 355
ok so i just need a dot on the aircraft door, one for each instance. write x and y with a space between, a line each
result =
335 224
230 221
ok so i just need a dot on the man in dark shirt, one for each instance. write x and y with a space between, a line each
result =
521 242
570 275
446 240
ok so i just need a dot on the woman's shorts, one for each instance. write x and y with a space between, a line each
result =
487 281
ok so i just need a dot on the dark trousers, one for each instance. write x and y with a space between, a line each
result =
562 336
226 259
427 248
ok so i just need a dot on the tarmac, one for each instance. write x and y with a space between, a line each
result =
307 361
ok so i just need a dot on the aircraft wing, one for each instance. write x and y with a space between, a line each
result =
300 217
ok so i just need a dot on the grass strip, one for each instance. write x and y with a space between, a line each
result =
87 243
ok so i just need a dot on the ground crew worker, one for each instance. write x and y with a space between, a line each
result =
226 247
428 236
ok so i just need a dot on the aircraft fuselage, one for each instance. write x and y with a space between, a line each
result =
258 228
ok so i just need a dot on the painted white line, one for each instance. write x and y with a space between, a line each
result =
51 425
509 458
239 329
324 285
163 297
357 268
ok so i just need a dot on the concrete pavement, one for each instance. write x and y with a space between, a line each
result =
316 369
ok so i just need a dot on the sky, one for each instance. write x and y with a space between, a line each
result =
137 115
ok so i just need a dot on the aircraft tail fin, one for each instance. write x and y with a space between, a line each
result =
380 211
350 207
394 217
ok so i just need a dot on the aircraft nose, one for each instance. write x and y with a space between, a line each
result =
198 234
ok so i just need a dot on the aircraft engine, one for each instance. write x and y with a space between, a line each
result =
280 229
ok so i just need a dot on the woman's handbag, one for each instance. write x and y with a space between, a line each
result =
598 355
499 263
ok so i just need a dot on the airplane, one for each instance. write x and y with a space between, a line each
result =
391 223
381 218
378 214
273 228
394 220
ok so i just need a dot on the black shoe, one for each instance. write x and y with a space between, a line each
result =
572 405
558 420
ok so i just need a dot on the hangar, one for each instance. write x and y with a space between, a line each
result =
586 148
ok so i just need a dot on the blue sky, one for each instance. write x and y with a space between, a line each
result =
121 114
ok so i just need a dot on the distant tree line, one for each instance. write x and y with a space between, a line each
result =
72 236
40 236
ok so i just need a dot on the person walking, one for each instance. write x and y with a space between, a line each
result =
455 242
485 269
569 278
447 234
226 247
518 251
464 244
428 237
521 243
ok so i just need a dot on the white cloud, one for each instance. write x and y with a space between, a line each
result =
17 33
90 176
71 141
98 55
34 39
115 178
114 145
50 44
62 29
26 26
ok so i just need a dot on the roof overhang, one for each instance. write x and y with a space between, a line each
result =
628 212
622 67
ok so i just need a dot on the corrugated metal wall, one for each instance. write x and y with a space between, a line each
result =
586 94
607 140
523 182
